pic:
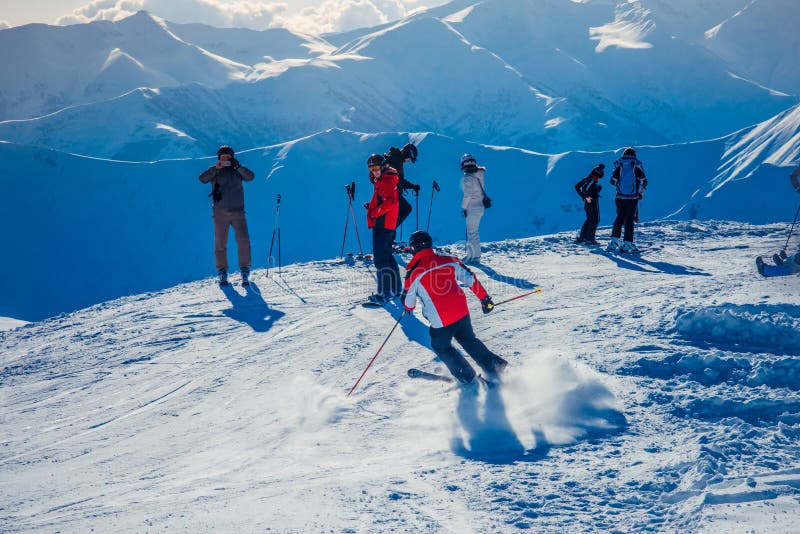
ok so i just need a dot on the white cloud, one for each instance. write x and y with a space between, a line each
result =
324 16
255 14
4 25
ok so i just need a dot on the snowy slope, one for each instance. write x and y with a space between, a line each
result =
115 228
758 43
623 408
56 67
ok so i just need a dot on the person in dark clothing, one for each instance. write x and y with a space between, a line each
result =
589 190
434 280
396 157
630 180
382 213
227 193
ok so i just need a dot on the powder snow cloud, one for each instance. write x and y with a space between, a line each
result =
327 16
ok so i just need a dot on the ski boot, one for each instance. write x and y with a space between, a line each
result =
628 247
222 277
613 245
760 265
245 277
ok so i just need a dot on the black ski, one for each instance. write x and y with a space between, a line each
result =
424 375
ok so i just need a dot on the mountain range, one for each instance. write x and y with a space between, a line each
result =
547 75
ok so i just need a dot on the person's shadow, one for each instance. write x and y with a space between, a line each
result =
414 329
490 437
505 279
251 308
634 262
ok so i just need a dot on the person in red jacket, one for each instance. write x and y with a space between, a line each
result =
433 279
382 213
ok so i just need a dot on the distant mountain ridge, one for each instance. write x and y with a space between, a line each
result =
545 75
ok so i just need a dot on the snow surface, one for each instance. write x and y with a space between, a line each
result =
645 393
7 323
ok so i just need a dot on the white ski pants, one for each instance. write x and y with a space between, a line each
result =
474 214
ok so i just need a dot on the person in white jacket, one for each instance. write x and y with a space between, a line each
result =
472 184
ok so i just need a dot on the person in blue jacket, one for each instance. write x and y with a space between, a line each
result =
631 182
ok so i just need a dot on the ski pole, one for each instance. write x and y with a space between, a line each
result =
278 216
430 208
269 256
376 354
276 230
792 228
537 290
416 209
347 217
353 213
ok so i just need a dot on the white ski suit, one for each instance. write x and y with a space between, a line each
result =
472 205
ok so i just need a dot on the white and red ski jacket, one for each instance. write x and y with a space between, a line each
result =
434 280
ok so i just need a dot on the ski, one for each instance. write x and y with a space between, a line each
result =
424 375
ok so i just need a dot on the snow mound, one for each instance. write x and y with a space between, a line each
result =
750 328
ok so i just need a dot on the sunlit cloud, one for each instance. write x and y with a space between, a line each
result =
328 16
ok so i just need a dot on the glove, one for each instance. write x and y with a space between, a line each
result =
486 304
464 213
641 195
235 163
415 187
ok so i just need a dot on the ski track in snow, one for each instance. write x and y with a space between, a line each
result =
656 392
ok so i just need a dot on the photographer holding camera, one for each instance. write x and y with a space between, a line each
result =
228 210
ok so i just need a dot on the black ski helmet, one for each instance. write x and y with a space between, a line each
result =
468 160
629 152
420 240
410 151
376 159
225 149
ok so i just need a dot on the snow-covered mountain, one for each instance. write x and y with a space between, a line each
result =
758 43
56 67
115 228
643 394
549 75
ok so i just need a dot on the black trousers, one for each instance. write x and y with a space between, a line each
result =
388 272
405 210
589 228
626 213
462 331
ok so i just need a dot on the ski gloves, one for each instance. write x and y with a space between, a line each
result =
487 304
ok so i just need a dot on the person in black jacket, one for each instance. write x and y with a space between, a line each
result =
589 190
396 157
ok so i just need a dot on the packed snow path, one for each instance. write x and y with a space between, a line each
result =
654 392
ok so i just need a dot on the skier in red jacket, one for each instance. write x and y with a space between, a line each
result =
433 279
382 212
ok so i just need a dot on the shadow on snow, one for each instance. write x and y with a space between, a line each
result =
251 308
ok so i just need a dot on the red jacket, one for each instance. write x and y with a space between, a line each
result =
434 280
385 202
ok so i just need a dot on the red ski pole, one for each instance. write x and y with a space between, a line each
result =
537 290
376 354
